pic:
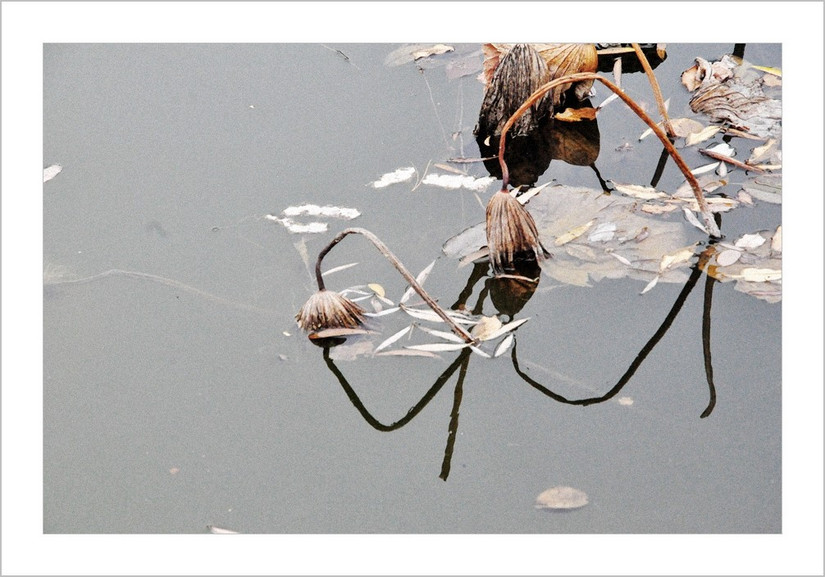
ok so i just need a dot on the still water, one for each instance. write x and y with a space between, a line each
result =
180 394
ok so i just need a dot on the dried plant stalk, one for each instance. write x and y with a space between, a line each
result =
511 233
315 305
329 310
710 223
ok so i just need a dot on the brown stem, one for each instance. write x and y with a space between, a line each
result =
654 84
382 248
710 223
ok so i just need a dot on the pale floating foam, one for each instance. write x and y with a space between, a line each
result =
395 177
456 181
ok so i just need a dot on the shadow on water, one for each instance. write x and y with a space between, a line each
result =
508 296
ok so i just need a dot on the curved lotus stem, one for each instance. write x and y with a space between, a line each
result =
710 223
382 248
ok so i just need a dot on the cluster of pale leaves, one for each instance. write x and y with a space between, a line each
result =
492 338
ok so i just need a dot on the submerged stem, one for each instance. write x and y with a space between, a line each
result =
710 223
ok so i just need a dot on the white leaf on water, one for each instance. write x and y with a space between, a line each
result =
51 171
221 531
429 315
326 211
456 181
480 353
759 274
639 191
407 353
420 279
530 193
677 257
728 257
620 258
400 334
339 268
705 168
650 285
504 345
702 135
603 233
298 228
434 50
437 347
750 241
724 149
395 177
776 241
504 329
383 313
452 337
691 218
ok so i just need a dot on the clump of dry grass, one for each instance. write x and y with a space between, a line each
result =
329 310
511 233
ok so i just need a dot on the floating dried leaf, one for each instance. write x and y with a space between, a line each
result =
728 257
377 289
504 345
51 171
576 114
511 326
702 135
420 279
650 285
750 241
561 498
220 531
603 233
400 334
776 241
447 336
438 347
639 191
431 51
573 233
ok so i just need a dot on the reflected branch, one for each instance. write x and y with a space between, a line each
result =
452 430
413 411
696 272
709 284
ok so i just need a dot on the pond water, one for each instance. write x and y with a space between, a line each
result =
180 394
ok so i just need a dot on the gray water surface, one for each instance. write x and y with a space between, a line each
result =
179 393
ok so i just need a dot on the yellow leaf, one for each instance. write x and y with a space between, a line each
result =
377 289
576 114
573 233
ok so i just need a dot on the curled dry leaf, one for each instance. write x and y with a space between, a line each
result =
728 92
